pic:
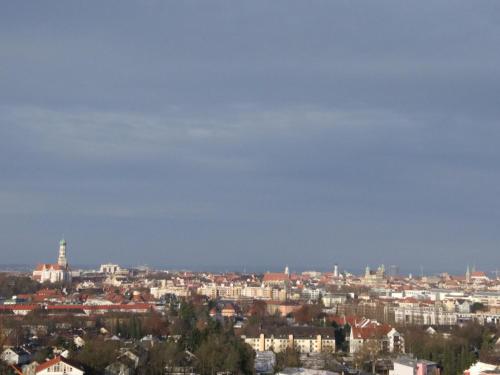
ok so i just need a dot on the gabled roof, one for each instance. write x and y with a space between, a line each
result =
370 332
352 320
19 351
48 266
52 362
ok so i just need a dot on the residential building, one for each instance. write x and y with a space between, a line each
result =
58 366
410 366
387 337
15 356
304 344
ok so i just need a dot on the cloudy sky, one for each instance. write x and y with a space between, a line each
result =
232 134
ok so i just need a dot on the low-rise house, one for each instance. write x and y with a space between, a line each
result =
283 308
186 366
479 368
304 371
122 366
15 356
58 366
79 342
387 337
411 366
228 311
265 362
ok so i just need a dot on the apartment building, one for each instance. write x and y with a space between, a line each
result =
304 344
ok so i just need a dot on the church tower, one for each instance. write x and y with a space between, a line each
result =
61 260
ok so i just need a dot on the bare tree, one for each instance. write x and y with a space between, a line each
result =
368 353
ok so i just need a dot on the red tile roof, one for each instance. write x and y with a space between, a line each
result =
478 274
48 266
52 362
275 277
18 307
352 320
371 332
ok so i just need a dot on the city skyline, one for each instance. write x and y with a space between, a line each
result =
335 268
257 134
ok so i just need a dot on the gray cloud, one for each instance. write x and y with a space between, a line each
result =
226 133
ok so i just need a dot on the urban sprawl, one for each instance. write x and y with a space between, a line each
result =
117 321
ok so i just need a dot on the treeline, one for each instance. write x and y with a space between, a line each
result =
456 350
11 285
213 343
190 339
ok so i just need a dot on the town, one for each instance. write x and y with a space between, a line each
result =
119 321
289 187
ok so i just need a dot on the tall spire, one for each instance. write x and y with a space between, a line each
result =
336 270
61 260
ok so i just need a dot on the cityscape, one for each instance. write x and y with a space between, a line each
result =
116 320
228 187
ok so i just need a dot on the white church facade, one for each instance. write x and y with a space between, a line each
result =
56 272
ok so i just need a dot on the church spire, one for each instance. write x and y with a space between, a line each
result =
61 260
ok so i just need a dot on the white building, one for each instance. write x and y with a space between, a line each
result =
480 367
411 366
110 268
15 356
307 344
58 366
388 339
57 272
425 315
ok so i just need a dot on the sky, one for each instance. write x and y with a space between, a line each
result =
251 134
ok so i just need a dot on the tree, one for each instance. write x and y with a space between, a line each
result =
6 369
454 353
288 358
368 354
477 306
134 327
97 354
155 324
487 346
224 352
11 285
307 313
258 309
3 336
42 354
340 335
160 356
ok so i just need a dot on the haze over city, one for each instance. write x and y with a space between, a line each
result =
251 134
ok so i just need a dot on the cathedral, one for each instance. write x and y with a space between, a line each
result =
56 272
